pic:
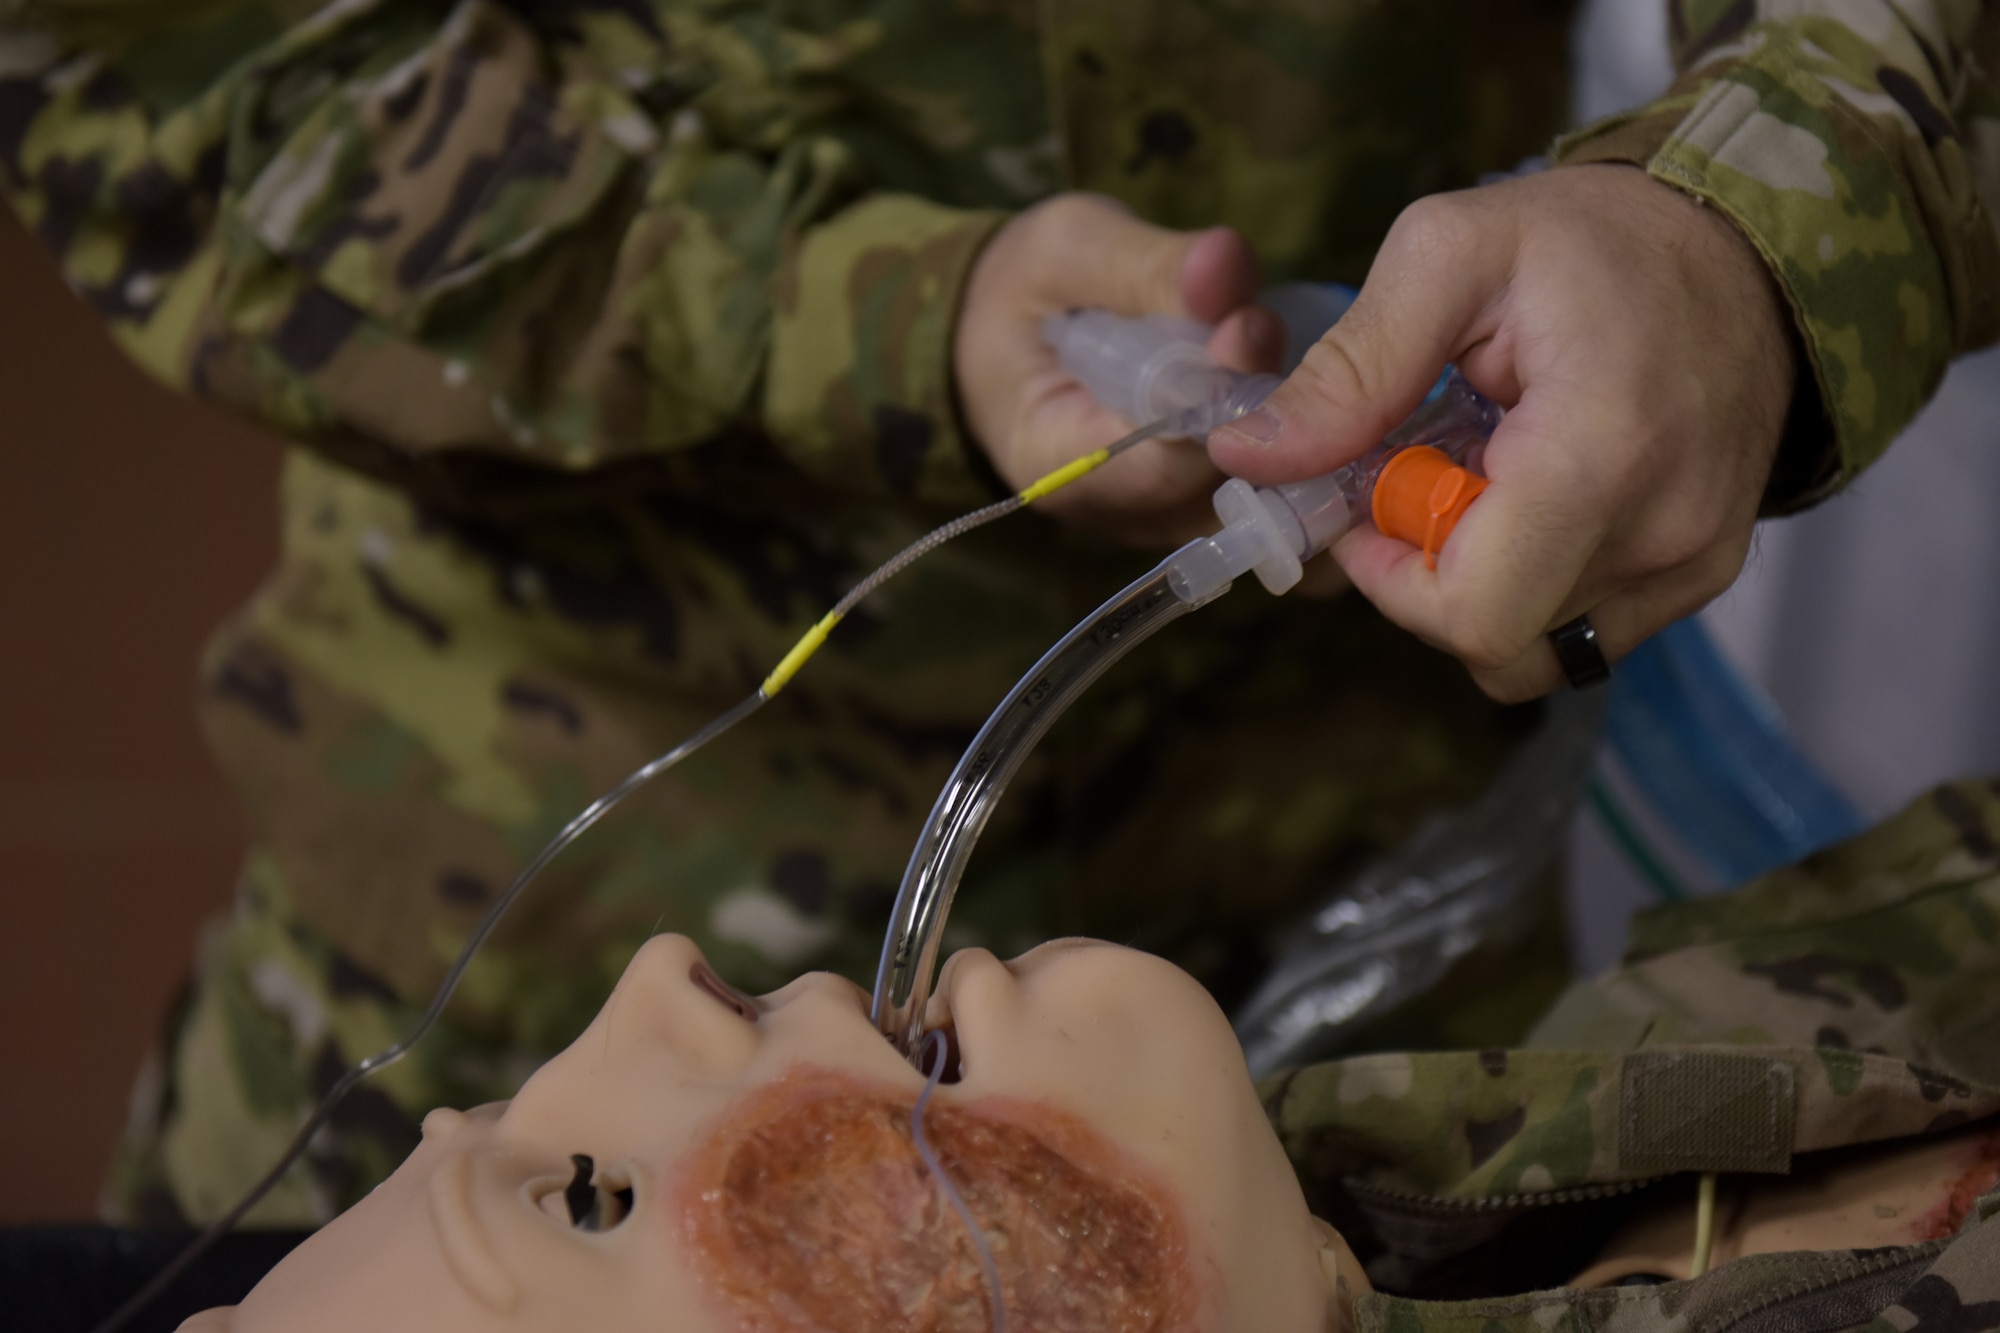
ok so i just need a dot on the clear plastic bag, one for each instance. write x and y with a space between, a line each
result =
1466 878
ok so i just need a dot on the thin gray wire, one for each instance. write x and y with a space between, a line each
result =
571 831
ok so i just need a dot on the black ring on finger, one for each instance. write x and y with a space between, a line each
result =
1576 648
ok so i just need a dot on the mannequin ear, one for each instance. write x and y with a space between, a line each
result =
217 1320
1346 1280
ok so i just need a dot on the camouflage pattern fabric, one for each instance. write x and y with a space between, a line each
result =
571 233
615 337
1857 144
1851 999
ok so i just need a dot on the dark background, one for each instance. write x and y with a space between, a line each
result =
131 522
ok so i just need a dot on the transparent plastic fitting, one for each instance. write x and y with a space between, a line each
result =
1157 369
1154 368
1272 531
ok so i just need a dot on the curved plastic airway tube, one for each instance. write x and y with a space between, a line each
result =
916 923
934 1056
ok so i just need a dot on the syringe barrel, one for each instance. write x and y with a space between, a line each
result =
1156 369
1457 420
1305 517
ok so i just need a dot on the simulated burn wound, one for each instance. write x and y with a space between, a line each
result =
811 1209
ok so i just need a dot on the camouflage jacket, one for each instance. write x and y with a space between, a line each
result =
1850 999
575 232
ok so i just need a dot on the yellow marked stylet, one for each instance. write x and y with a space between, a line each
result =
802 651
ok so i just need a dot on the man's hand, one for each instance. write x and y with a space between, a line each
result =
1641 347
1081 250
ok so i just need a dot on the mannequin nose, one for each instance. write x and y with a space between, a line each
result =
671 1000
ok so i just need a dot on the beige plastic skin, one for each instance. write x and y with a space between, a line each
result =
470 1234
1897 1194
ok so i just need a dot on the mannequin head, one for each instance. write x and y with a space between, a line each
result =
704 1161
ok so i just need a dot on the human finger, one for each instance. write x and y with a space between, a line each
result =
1067 422
1441 271
1322 580
1521 548
1219 273
1093 251
1622 622
1639 609
1250 341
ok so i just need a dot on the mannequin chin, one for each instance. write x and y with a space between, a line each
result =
703 1161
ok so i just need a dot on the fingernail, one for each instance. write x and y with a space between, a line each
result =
1259 427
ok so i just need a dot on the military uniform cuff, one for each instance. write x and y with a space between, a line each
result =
1800 175
860 390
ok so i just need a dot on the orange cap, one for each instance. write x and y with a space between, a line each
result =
1420 495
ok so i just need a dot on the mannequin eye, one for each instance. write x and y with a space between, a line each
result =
594 1204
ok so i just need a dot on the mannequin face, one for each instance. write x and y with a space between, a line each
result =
703 1161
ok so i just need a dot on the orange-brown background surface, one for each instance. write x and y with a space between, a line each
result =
131 522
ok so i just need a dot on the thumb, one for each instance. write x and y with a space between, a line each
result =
1434 284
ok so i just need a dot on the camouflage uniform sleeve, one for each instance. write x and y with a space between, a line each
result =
1857 144
1851 998
570 235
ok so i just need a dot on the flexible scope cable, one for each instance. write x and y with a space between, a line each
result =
780 676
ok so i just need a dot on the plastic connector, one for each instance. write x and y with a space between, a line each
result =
1155 368
1260 534
1228 396
1321 509
1416 484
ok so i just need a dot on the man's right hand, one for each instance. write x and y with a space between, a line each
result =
1081 250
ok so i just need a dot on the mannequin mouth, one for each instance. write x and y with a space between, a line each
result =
947 1035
